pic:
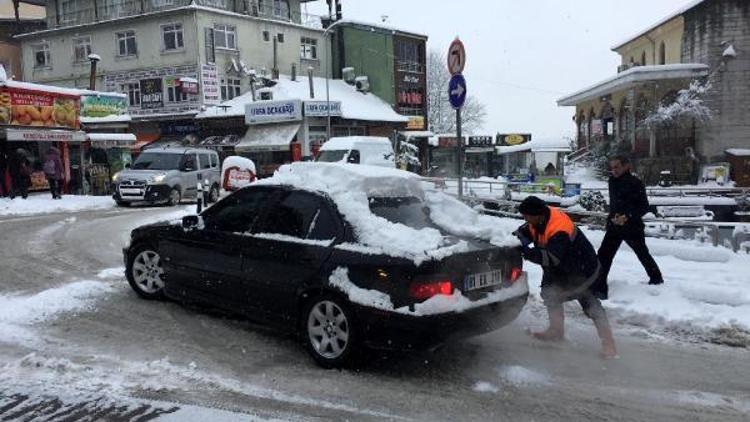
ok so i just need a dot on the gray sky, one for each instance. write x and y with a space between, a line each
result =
522 55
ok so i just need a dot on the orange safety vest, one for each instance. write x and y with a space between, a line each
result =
558 222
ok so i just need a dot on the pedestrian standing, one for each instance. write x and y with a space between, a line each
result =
53 169
628 204
570 267
3 172
20 173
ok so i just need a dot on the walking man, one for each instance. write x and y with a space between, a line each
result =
628 204
570 269
53 169
20 171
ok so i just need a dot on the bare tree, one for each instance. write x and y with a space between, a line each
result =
441 116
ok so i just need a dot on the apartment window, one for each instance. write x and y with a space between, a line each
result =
174 91
126 44
308 48
281 8
133 91
162 3
280 37
171 36
662 54
81 49
68 10
230 88
409 57
41 55
224 37
266 36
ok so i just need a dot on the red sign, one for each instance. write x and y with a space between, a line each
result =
189 87
456 57
23 107
234 178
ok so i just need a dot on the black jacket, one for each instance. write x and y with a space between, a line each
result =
627 195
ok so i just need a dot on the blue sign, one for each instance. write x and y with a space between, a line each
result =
457 91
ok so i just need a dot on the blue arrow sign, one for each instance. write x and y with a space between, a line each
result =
457 91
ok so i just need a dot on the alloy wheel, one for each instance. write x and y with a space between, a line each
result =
328 329
147 272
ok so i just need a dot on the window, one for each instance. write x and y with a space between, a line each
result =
308 48
214 160
280 37
81 49
230 88
266 36
662 54
205 161
300 215
161 3
41 55
174 91
409 57
643 59
68 10
188 162
238 212
224 37
172 37
126 45
281 8
133 91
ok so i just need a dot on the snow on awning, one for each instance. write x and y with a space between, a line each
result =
738 152
409 134
634 76
536 145
110 140
273 137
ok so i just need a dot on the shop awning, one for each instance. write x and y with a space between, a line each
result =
275 137
44 135
111 140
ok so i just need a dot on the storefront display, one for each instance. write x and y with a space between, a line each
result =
27 107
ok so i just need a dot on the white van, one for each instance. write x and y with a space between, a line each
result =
367 150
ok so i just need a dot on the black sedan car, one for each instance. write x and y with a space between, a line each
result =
271 252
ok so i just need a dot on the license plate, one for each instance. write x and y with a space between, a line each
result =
482 280
131 191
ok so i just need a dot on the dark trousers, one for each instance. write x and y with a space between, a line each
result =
636 239
55 187
19 185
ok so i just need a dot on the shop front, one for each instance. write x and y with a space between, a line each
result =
272 138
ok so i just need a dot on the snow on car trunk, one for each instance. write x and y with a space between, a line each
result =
352 186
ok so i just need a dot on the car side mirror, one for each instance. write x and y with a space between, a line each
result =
190 222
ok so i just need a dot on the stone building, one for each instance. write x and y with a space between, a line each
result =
706 41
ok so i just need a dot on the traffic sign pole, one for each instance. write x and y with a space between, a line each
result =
460 144
457 97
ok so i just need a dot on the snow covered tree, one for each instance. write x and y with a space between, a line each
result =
441 116
408 156
686 108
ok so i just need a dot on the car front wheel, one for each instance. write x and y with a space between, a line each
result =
145 273
174 197
329 331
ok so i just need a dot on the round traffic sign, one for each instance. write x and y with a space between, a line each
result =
457 91
456 57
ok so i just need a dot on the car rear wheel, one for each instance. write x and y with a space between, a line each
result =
213 194
145 273
330 331
174 197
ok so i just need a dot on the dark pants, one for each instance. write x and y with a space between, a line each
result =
19 185
55 187
636 239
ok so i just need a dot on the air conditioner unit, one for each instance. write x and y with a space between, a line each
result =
348 75
362 83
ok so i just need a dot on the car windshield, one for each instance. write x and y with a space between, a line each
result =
408 211
157 161
332 156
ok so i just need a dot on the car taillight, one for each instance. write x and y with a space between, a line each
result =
426 290
515 274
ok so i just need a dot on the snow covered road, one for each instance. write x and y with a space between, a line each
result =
73 336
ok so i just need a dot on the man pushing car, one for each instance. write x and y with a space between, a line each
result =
551 239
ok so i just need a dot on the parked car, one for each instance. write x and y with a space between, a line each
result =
286 255
168 175
367 150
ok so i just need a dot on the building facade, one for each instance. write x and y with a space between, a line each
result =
705 42
30 18
392 60
171 57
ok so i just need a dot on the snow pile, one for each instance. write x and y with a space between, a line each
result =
520 376
43 204
435 305
350 186
16 311
111 273
485 387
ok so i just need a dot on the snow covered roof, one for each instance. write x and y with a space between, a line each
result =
113 118
633 76
739 152
679 12
380 26
537 145
348 142
40 87
355 105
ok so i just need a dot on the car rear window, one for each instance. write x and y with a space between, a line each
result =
408 211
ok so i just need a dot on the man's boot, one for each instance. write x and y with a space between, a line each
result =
556 330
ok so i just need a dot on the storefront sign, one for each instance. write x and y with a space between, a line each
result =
21 107
513 139
179 127
152 93
188 85
103 105
320 108
210 84
44 135
596 127
480 141
415 123
448 141
273 112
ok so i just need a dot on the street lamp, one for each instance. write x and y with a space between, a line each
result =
328 60
93 58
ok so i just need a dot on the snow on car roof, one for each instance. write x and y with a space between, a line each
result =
348 142
351 186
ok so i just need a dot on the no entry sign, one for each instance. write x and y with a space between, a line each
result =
456 57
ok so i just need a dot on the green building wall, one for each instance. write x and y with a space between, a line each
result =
370 53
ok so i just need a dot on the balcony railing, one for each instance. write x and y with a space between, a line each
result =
129 8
